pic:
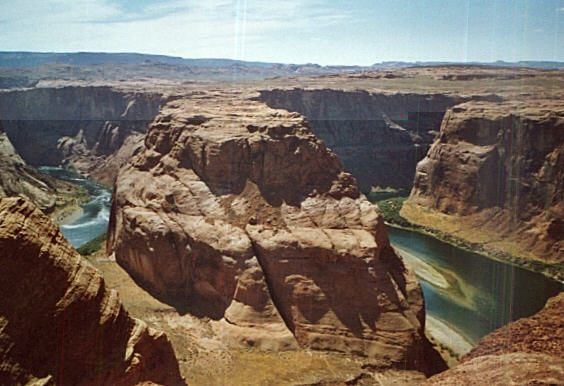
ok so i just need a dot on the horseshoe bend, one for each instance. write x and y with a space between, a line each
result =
243 228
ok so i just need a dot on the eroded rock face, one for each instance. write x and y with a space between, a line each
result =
235 211
19 179
58 322
528 351
92 129
378 137
500 166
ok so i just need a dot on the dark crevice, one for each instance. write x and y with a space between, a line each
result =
270 287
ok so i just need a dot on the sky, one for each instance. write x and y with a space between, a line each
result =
349 32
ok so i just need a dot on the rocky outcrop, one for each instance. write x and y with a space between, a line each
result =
498 170
379 137
92 129
529 351
19 179
236 212
59 324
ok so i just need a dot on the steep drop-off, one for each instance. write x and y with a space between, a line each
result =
58 322
495 176
529 351
92 129
19 179
235 211
378 137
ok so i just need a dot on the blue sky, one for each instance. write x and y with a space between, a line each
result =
292 31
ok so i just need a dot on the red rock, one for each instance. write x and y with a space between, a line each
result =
58 322
236 212
499 167
19 179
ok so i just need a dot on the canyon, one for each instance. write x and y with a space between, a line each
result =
378 137
497 169
231 205
92 129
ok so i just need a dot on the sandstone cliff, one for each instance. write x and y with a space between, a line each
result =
58 322
379 137
94 129
529 351
19 179
497 172
236 212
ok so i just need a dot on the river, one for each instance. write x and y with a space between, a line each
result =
473 294
96 213
465 293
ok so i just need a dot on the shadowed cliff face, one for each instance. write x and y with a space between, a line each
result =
19 179
237 212
59 324
500 166
93 129
378 137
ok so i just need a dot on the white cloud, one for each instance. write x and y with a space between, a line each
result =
211 28
45 12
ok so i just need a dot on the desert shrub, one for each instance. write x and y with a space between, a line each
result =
93 245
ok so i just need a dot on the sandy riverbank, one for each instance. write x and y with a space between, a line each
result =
425 271
448 340
67 215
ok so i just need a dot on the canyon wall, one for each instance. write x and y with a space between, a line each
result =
528 351
59 324
92 129
496 176
379 137
19 179
236 212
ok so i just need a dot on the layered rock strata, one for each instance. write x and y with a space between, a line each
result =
59 324
19 179
529 351
94 129
379 137
497 172
236 212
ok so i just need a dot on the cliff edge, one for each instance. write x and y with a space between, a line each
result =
58 322
495 177
19 179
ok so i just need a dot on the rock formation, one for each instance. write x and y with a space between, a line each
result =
92 129
529 351
19 179
235 211
379 137
58 322
498 170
